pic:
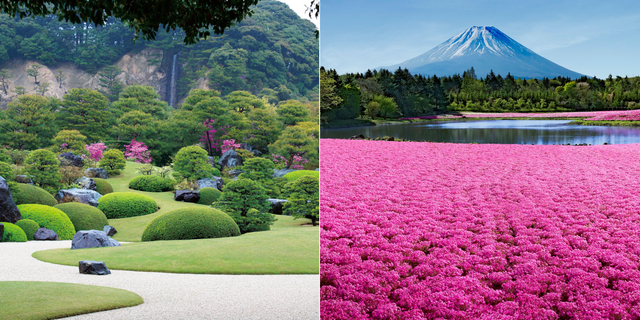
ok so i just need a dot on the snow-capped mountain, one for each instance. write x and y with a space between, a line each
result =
484 49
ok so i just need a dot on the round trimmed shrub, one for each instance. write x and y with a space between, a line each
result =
29 227
126 204
191 223
209 195
13 233
50 218
103 186
151 184
83 216
29 194
294 175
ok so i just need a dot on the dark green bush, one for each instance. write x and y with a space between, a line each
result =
29 227
191 223
126 204
103 186
83 216
50 218
151 184
191 163
42 166
238 198
209 195
13 233
29 194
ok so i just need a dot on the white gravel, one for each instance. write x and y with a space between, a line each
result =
172 295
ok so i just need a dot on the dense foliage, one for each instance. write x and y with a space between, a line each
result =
126 204
385 94
7 173
50 218
246 202
29 227
42 166
191 223
29 194
103 186
113 161
191 163
209 196
13 233
151 183
303 199
83 216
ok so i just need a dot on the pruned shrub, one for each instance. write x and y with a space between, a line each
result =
13 233
294 175
303 200
151 184
103 186
29 227
84 216
50 218
42 166
209 195
191 163
69 175
237 200
113 161
191 223
126 204
29 194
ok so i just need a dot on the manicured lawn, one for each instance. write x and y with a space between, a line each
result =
52 300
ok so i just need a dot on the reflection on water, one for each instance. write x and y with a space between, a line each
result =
497 131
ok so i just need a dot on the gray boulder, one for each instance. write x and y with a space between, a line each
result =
1 231
70 159
276 205
8 210
211 160
281 172
92 239
87 183
230 159
187 196
234 173
216 182
253 150
89 197
93 267
21 178
96 173
109 230
45 234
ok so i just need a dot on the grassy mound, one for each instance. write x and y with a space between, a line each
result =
83 216
29 227
209 195
30 194
294 175
53 300
13 233
191 223
151 184
103 186
126 204
50 218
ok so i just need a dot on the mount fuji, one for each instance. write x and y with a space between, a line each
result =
484 49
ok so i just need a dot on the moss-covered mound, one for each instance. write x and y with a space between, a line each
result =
50 218
103 186
191 223
13 233
29 227
151 184
294 175
209 195
83 216
126 204
30 194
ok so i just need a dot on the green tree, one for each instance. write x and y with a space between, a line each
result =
111 86
191 163
142 98
43 87
34 72
71 141
42 167
113 161
304 198
292 112
262 130
19 90
60 76
294 141
257 169
85 110
242 101
135 124
27 123
246 202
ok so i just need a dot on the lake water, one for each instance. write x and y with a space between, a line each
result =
496 131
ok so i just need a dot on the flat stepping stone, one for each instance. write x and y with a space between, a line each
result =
93 267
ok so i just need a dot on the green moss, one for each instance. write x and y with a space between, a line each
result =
13 233
294 175
50 218
209 195
29 227
126 204
151 184
103 186
30 194
191 223
84 216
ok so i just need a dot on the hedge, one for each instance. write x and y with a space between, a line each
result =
126 204
103 186
29 227
191 223
50 218
151 184
30 194
84 216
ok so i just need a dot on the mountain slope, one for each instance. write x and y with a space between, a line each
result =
484 49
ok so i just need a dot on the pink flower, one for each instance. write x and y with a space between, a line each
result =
138 152
95 150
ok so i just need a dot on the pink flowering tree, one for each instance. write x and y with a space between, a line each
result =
297 162
212 136
228 145
95 150
138 152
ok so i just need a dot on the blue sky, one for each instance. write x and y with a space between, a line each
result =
596 38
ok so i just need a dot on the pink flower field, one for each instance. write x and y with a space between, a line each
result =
415 230
594 115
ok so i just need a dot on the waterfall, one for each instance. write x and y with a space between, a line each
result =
172 88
